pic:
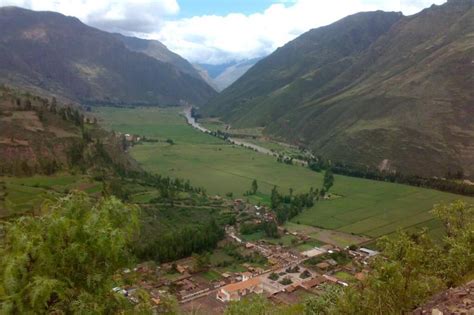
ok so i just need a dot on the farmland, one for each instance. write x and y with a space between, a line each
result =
22 194
362 206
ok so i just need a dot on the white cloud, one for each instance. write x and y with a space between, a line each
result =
111 15
217 39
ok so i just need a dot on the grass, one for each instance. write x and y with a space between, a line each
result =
28 193
344 276
309 245
365 207
211 275
285 240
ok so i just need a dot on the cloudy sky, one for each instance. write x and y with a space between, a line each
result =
217 31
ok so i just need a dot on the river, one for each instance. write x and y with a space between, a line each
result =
192 121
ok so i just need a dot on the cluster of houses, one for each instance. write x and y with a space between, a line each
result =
279 257
287 274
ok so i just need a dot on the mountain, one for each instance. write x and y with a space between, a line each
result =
49 52
223 75
373 89
159 51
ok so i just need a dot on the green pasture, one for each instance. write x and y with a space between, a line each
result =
21 194
364 207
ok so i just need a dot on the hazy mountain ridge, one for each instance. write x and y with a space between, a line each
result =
223 75
159 51
58 54
372 89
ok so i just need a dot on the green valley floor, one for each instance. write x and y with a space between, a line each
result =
359 206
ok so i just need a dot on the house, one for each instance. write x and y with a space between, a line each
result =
368 252
327 247
323 265
246 275
331 279
181 269
234 291
312 282
313 252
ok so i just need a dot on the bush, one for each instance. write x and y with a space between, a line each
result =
286 281
273 276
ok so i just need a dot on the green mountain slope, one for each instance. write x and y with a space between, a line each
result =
40 136
375 89
49 52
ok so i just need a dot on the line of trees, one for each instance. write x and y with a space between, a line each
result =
450 184
288 206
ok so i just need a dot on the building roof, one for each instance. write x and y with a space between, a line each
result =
323 265
247 274
242 285
313 282
368 251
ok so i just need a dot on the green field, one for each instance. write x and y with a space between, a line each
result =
23 194
365 207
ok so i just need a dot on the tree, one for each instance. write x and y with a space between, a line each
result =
271 229
413 267
275 198
328 181
202 261
63 261
254 187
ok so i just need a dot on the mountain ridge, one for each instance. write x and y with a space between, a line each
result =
400 103
60 55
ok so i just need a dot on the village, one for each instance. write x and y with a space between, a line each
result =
283 273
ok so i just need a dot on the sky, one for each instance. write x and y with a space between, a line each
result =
217 31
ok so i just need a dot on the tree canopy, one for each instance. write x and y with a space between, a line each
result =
63 260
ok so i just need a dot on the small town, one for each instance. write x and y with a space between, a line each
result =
284 274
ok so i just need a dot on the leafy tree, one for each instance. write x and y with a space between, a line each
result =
273 276
328 181
414 267
202 261
254 188
271 229
275 198
63 261
255 306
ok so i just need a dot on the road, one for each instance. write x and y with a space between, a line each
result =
192 121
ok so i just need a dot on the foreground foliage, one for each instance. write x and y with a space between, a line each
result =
63 261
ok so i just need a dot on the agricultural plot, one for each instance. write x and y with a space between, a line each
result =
364 207
22 194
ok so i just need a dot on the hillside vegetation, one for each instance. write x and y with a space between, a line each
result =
41 136
373 89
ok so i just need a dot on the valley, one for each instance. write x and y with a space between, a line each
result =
160 158
359 206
